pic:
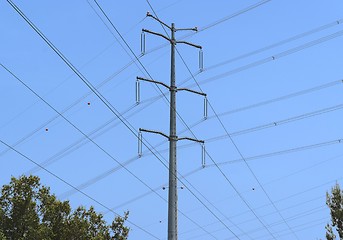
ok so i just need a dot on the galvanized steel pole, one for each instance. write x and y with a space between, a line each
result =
172 197
173 138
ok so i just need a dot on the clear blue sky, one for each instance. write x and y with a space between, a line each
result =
272 72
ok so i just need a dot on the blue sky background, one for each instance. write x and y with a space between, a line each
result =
278 94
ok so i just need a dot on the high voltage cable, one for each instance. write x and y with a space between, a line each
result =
92 59
103 12
150 101
299 215
249 220
68 107
215 23
291 150
280 122
304 169
271 58
277 44
224 19
108 28
254 52
217 209
199 226
230 138
294 195
80 131
168 6
299 193
95 133
97 145
99 95
316 223
135 56
227 133
255 157
86 136
282 42
267 125
276 223
73 125
227 179
302 148
293 217
247 9
159 187
284 97
236 147
60 84
285 198
121 166
72 186
227 61
286 223
83 140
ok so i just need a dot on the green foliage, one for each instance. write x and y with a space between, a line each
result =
28 211
119 230
335 203
2 236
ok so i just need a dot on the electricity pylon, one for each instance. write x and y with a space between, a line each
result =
172 137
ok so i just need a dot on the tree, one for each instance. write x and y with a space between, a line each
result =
28 211
335 203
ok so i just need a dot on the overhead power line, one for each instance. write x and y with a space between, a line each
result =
217 22
68 108
273 124
271 58
141 65
72 186
277 44
315 30
211 158
95 91
196 170
95 133
236 147
97 145
291 150
283 199
227 133
240 12
111 123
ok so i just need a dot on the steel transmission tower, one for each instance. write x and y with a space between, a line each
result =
172 137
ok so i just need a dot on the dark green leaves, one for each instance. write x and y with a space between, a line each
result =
335 203
29 211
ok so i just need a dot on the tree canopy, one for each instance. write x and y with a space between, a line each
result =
29 211
334 200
